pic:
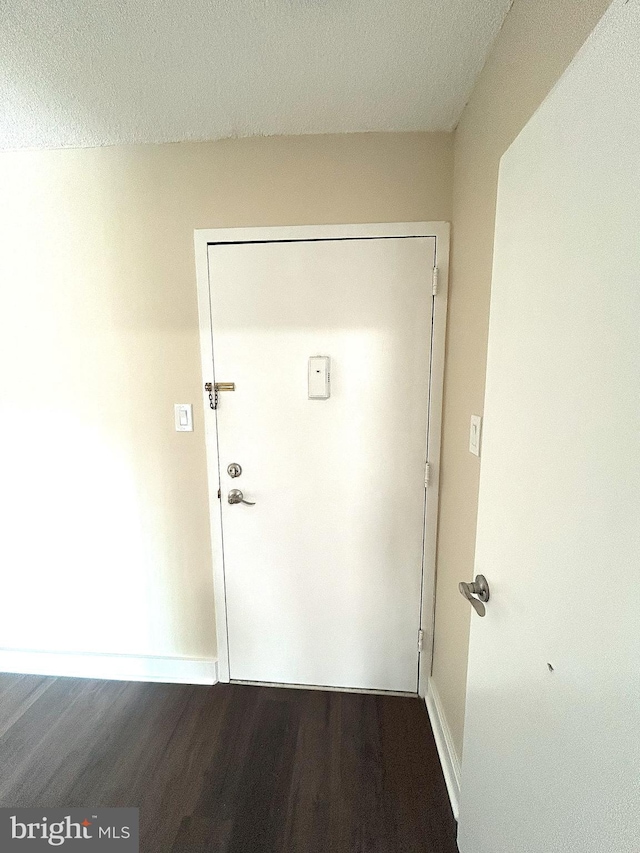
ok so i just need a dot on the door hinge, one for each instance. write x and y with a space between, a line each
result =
427 473
420 640
434 281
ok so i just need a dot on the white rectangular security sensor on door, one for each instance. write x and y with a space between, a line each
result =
319 377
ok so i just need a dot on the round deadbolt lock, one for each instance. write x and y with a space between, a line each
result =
234 470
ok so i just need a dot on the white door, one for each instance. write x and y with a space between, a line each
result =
323 572
551 759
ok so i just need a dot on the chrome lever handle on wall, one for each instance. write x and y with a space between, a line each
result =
479 588
236 497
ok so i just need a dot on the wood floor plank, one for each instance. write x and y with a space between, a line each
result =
306 825
221 791
230 768
17 694
417 796
36 743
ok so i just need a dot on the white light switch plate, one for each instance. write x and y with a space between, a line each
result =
184 417
475 432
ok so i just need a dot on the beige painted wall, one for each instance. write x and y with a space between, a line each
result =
105 537
538 40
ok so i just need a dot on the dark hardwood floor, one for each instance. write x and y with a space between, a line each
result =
230 768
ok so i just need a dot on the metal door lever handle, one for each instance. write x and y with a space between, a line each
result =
236 497
479 588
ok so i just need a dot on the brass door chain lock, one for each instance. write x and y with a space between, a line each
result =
214 389
213 401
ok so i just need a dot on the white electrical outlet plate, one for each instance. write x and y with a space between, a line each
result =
184 417
475 431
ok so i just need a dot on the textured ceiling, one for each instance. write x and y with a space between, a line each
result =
104 72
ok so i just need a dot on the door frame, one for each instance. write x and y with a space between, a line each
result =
437 280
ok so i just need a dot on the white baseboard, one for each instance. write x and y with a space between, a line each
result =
113 667
444 742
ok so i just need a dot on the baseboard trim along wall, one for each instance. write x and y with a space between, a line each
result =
112 667
444 742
